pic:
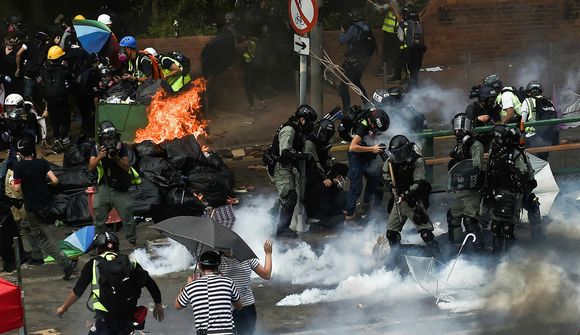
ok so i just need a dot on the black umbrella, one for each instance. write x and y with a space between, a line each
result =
193 230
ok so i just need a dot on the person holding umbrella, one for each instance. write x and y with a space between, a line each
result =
239 272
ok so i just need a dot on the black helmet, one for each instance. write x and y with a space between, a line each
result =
380 98
107 241
400 149
307 113
108 135
379 121
25 146
461 122
502 136
534 88
493 81
396 94
355 15
324 131
487 95
210 258
409 12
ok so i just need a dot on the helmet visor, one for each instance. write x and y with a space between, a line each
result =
461 123
400 155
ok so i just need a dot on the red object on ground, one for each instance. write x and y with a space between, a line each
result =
114 216
11 311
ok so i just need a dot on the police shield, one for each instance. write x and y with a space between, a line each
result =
464 176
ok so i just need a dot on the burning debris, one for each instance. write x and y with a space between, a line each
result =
174 116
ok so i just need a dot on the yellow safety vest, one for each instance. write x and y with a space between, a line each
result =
515 101
176 82
404 43
135 178
95 289
248 55
390 22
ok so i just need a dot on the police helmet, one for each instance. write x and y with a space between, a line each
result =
493 81
461 122
534 87
307 113
409 12
379 120
210 258
380 97
355 15
25 146
396 94
487 95
502 136
400 149
107 241
324 131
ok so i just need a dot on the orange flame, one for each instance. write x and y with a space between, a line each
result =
174 116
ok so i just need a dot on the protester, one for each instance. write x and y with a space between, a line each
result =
11 62
141 66
391 42
239 272
57 85
87 92
116 282
30 176
412 47
35 58
175 67
211 296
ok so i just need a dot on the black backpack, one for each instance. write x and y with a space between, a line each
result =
56 83
120 283
414 34
183 60
366 44
35 58
545 109
348 123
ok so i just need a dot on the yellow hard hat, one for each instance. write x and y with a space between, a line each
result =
79 17
55 52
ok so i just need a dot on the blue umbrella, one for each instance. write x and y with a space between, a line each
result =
82 238
93 35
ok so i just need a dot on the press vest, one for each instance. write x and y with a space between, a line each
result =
390 22
515 101
133 174
176 82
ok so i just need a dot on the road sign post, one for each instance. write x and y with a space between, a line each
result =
303 17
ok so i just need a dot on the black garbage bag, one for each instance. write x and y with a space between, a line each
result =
180 195
148 148
159 171
133 158
59 205
74 178
77 210
145 196
216 162
78 153
184 153
122 90
147 90
210 183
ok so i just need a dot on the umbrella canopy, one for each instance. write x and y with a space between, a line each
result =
82 238
11 311
192 230
547 189
93 35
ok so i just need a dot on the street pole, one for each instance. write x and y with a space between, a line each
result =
17 255
316 88
303 78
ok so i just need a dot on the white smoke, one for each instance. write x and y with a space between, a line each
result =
164 259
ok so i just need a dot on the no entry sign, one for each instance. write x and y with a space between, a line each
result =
303 15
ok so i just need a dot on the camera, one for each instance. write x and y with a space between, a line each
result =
111 150
383 154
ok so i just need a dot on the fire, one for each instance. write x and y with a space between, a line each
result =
174 116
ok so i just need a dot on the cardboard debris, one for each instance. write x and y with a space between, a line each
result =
257 167
238 153
46 332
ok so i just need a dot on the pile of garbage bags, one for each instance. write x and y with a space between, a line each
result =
178 178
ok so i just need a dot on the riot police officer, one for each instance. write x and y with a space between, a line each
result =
283 158
392 101
464 180
404 173
509 174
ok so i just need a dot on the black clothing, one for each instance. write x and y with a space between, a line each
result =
245 320
391 51
114 176
474 110
60 114
32 175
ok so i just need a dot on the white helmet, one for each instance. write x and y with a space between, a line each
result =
151 51
13 100
105 19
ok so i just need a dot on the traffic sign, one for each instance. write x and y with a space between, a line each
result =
303 15
301 45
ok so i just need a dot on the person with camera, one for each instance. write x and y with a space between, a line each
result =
211 296
116 282
114 177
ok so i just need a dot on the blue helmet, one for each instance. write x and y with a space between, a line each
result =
128 42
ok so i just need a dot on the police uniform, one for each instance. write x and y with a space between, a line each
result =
465 195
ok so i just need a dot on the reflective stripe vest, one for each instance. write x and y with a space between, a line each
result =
515 101
95 289
248 54
135 178
404 41
390 22
531 108
178 81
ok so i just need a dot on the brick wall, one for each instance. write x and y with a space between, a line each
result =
494 29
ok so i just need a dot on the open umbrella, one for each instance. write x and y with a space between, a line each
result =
547 189
93 35
193 230
82 238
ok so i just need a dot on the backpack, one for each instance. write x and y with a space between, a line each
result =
156 72
56 84
35 58
414 34
366 44
349 122
183 60
545 109
120 283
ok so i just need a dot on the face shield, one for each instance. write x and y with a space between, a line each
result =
461 123
401 154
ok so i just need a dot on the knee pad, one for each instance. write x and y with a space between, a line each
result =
497 228
427 236
419 216
290 201
454 230
394 237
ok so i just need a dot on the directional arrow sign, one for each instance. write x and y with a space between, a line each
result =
301 45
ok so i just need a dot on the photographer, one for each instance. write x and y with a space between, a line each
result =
114 176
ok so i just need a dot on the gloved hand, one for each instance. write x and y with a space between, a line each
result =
532 184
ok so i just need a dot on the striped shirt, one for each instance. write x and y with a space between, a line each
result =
240 273
211 297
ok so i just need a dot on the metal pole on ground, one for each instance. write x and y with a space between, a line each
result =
22 330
